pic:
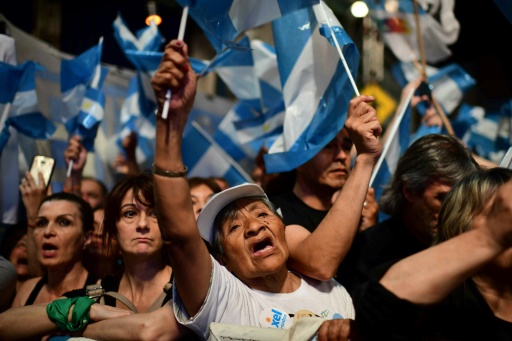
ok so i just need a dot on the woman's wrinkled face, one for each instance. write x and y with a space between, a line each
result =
200 195
59 234
137 229
253 242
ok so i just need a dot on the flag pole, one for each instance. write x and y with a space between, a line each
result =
181 34
439 109
420 40
339 49
391 136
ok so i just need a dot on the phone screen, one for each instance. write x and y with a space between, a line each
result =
42 164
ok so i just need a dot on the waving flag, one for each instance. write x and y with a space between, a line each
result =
18 103
398 28
206 158
223 20
146 39
449 83
137 112
81 81
316 87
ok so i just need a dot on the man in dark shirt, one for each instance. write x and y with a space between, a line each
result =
317 181
425 173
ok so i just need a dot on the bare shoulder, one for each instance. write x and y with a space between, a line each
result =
24 291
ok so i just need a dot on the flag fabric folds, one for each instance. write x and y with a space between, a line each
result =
205 158
137 111
449 83
223 20
18 103
146 39
398 28
316 87
81 82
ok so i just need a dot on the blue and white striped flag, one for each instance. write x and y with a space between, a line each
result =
81 81
223 20
481 137
226 134
398 28
316 87
206 158
449 83
146 39
18 103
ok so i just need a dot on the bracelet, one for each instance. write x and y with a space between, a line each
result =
169 174
58 312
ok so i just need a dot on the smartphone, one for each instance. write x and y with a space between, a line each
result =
42 164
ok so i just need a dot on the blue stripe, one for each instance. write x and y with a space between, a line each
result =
10 77
145 60
79 70
34 125
238 57
194 146
304 23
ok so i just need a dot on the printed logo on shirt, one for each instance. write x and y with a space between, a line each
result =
275 318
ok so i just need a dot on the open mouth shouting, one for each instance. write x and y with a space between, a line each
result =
263 247
49 250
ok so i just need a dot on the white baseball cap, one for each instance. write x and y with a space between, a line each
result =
221 200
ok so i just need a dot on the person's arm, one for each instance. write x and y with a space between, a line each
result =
429 276
78 154
32 322
190 259
157 325
129 144
32 196
320 254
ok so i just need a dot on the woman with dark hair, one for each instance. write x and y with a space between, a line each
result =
61 234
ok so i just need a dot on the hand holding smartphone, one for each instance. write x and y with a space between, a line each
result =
44 165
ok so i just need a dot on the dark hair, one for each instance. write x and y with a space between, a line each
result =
143 192
229 212
434 157
468 198
196 181
86 213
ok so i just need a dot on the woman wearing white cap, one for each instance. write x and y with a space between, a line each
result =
254 287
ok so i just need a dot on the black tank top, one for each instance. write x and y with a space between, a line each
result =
91 279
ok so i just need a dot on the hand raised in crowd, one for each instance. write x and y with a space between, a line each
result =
32 194
369 215
175 73
77 153
363 127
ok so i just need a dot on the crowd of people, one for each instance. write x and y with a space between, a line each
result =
162 256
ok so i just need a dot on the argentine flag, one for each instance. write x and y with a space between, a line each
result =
18 103
206 158
316 86
146 39
449 83
81 80
223 20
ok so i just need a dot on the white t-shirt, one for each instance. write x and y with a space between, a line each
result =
230 301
